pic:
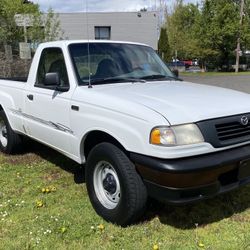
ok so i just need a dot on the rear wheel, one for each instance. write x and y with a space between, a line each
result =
116 191
9 140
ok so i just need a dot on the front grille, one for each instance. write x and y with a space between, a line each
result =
232 130
226 131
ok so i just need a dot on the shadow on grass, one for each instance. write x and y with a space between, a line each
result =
56 158
200 214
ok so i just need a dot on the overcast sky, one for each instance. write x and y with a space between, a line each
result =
100 5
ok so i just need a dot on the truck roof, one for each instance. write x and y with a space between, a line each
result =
68 42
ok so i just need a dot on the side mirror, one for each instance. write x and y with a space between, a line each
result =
176 72
52 79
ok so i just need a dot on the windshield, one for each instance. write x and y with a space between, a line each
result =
117 62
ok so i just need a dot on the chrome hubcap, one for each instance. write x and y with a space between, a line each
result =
3 134
106 185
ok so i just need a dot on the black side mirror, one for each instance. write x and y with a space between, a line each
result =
52 79
176 72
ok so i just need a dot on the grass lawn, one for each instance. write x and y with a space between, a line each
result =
44 205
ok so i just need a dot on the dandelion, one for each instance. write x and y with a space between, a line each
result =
155 247
48 189
201 245
53 189
39 203
101 227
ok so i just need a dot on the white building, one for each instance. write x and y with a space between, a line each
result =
124 26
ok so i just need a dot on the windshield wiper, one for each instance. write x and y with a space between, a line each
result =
114 80
159 77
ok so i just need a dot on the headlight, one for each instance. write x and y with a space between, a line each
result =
176 135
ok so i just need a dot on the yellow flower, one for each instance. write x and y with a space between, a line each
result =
39 203
43 190
63 230
47 190
52 189
200 244
101 227
155 247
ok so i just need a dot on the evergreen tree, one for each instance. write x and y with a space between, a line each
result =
163 46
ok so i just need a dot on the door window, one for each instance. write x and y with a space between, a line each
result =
51 61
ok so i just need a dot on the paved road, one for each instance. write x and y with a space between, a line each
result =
238 82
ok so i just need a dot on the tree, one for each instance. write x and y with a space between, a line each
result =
219 29
46 27
245 34
208 32
9 31
52 26
180 25
163 45
41 27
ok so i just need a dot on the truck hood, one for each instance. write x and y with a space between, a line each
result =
181 102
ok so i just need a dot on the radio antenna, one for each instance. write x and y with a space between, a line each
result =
87 23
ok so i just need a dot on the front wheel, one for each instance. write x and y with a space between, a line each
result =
9 140
116 191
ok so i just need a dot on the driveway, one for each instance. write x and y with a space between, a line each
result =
237 82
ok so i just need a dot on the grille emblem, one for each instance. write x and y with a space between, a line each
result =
244 120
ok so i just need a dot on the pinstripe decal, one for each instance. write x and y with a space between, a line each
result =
56 126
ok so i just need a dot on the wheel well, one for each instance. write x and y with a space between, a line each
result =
1 108
95 137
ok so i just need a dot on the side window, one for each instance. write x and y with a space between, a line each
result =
52 60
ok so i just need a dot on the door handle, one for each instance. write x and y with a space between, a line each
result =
30 97
75 108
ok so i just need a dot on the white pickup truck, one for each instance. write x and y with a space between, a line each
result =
140 130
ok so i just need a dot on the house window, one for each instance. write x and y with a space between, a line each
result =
102 32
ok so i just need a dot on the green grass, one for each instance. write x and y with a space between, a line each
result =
213 73
67 220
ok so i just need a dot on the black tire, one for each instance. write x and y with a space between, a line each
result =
9 141
133 194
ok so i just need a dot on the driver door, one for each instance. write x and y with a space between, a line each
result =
47 111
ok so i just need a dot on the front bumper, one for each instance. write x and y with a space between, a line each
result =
194 178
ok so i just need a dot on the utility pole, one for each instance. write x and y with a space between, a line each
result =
239 37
